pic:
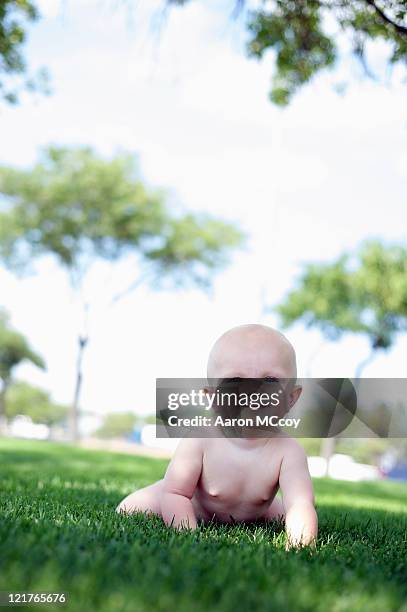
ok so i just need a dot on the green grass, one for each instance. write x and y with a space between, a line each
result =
59 532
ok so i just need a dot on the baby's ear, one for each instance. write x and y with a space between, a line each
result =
210 386
293 396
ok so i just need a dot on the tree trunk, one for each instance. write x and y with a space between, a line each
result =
364 363
327 450
328 444
74 412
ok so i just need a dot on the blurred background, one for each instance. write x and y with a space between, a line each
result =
171 169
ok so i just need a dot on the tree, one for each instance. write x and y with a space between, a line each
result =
79 207
35 403
15 15
364 293
117 425
14 349
296 31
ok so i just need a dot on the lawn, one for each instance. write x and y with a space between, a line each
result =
59 532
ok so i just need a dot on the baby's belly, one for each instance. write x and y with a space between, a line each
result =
228 509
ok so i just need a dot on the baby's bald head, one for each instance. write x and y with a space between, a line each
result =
252 351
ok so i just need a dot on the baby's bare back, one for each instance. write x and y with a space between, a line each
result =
239 478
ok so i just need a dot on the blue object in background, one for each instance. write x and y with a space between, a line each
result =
398 472
135 436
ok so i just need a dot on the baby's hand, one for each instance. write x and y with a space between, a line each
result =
301 525
301 519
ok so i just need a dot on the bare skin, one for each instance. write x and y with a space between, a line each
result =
237 479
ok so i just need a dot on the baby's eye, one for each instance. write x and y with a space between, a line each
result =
270 379
235 379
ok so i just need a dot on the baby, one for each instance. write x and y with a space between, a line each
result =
237 479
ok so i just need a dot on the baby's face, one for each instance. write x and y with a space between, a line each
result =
252 352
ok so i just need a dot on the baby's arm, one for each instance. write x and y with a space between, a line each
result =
298 498
180 483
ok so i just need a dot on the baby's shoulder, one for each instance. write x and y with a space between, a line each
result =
287 447
190 445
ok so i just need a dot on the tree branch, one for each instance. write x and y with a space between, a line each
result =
129 289
361 366
399 28
238 9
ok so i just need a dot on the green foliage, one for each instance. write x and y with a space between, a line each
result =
117 425
149 419
120 424
59 532
25 399
191 248
77 206
72 203
15 15
365 293
295 31
14 349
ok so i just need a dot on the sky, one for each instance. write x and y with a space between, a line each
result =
305 184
